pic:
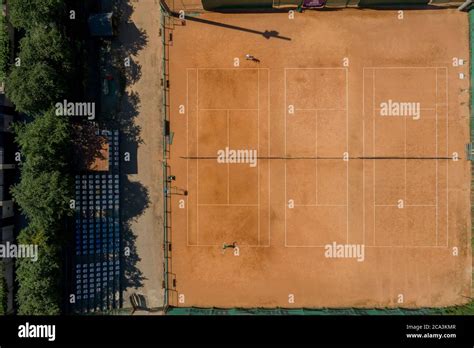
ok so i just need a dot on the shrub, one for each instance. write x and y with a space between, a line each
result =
3 291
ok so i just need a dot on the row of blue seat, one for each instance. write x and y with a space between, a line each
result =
97 271
102 275
98 263
104 286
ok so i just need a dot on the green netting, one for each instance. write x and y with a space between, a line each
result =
336 3
280 3
301 311
236 4
444 2
164 15
470 307
467 309
471 47
371 3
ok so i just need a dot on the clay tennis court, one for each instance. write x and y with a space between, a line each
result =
349 131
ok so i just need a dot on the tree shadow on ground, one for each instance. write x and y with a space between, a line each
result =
130 42
87 146
135 200
121 113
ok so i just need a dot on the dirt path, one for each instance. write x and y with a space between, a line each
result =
142 184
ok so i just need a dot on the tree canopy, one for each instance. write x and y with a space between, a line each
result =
45 143
33 89
27 14
38 80
45 44
4 48
43 195
3 291
38 291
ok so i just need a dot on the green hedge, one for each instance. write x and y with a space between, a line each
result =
236 4
39 282
27 14
44 191
43 194
4 48
3 290
41 78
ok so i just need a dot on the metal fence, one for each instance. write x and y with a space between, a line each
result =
165 117
301 311
168 6
190 6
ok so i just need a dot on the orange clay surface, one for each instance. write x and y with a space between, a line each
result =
330 168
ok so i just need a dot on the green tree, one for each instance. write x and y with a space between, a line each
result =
38 281
48 45
34 89
26 14
4 48
45 143
44 191
43 197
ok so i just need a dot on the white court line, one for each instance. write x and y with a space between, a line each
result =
227 205
406 205
286 154
373 147
376 246
258 135
220 245
258 151
239 68
218 109
321 109
422 109
320 205
437 105
405 149
363 164
404 67
347 149
447 161
316 162
363 156
436 137
187 154
228 164
269 155
405 198
320 68
197 155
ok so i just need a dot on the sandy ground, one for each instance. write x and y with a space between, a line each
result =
400 195
145 174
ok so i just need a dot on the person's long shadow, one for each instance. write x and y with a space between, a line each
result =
267 34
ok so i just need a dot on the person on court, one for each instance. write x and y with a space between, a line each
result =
227 246
252 58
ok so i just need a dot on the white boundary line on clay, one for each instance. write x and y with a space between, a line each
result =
346 109
197 154
436 68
